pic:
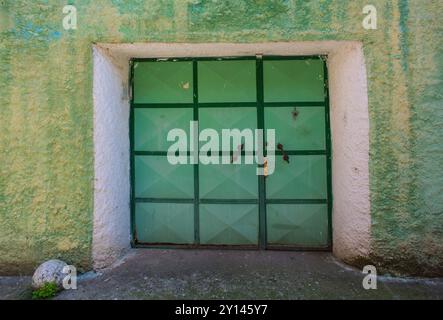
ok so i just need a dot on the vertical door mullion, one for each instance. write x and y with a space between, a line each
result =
261 179
196 173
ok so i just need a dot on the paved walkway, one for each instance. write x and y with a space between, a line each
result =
231 274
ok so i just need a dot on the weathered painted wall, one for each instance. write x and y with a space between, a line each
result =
46 113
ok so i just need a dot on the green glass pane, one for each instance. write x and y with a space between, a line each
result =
228 181
297 224
293 80
226 81
152 126
155 177
233 224
163 82
164 222
304 177
301 128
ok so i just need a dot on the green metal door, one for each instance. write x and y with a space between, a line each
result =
221 204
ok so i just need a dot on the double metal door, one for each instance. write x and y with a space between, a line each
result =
197 204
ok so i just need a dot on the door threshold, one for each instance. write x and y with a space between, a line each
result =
227 247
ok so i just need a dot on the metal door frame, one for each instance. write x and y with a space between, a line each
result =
260 104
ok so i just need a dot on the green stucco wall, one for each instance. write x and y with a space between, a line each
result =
46 110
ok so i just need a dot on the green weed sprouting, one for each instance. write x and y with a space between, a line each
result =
48 290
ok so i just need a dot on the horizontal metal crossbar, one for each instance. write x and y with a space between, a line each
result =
231 201
162 105
294 104
248 104
164 200
301 152
229 153
251 104
224 58
317 57
189 59
296 201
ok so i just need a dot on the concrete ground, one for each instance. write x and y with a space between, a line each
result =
231 274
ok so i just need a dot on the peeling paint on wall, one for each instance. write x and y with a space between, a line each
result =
46 155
